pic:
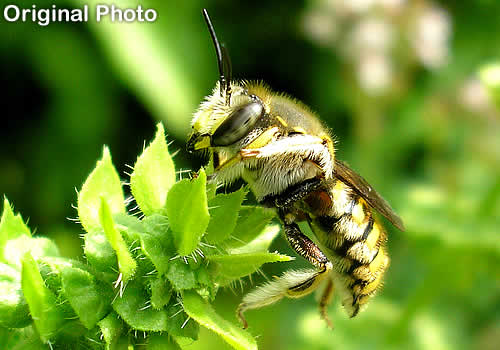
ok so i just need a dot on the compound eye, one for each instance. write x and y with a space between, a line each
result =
238 124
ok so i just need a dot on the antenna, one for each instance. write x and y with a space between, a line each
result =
223 60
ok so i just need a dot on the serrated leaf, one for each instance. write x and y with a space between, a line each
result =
126 263
153 175
39 247
181 275
207 288
100 255
50 269
204 314
161 291
103 182
187 211
133 308
251 222
42 302
179 324
90 299
158 242
261 243
224 209
111 327
155 237
11 227
227 268
161 342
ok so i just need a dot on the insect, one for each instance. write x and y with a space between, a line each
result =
280 147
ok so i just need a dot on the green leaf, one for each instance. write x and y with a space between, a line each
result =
187 211
224 209
22 338
179 323
158 242
227 268
153 175
100 255
261 243
205 315
90 299
103 182
251 222
126 263
51 271
161 342
155 237
111 327
133 307
161 292
207 288
11 226
42 302
14 311
211 185
181 275
38 247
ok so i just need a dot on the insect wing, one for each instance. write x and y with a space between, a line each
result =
367 192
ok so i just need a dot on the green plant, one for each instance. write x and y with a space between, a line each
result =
156 274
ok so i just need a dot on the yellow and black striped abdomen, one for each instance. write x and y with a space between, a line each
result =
354 241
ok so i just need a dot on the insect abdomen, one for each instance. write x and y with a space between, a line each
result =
355 243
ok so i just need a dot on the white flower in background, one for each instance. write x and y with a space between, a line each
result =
372 34
366 34
432 33
357 6
321 26
392 5
475 97
374 73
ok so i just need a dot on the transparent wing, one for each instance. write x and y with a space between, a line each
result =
367 192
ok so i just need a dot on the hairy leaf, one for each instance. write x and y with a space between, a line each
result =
187 211
111 327
11 226
126 264
252 220
90 299
100 255
42 302
153 175
133 307
103 182
159 341
224 209
204 314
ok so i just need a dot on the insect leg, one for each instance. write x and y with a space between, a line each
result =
325 300
305 247
292 284
292 194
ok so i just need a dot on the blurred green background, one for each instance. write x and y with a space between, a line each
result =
409 88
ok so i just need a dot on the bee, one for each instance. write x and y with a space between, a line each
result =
287 156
